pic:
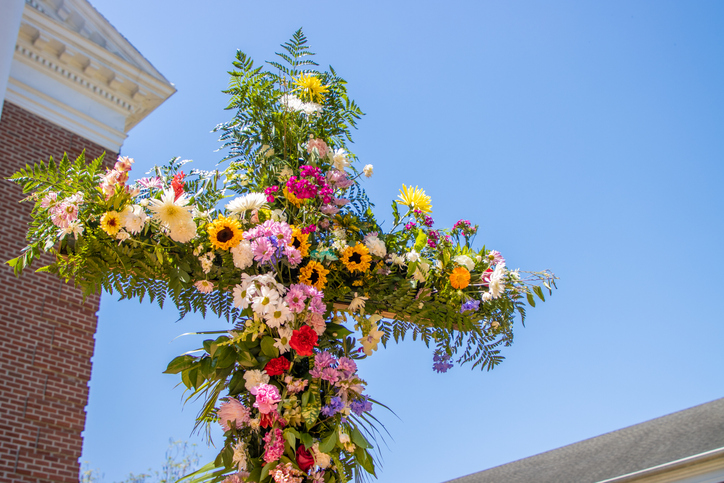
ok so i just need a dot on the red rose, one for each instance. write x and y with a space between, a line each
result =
305 460
303 341
278 366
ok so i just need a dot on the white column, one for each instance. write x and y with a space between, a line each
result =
10 13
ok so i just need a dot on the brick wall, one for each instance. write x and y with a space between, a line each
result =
46 329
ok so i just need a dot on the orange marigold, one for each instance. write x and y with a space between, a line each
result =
460 277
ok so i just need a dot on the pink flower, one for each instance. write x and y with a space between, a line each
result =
274 445
320 145
263 250
204 286
267 397
293 255
295 298
232 410
329 209
316 322
317 306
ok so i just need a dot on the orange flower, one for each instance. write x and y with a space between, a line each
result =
460 277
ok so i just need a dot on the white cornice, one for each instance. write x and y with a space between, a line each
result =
72 67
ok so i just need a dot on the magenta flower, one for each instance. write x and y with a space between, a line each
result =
273 445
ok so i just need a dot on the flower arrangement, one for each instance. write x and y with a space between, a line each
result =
295 260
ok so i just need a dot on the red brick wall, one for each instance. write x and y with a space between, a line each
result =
46 329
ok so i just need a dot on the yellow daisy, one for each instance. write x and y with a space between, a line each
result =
300 241
310 87
224 233
111 222
357 258
416 199
313 274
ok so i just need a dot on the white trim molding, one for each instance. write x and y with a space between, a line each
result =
72 67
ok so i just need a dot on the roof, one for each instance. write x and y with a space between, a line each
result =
670 438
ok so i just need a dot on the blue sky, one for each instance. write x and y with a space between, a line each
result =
583 137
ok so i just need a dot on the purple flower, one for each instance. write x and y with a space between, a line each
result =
347 365
361 405
441 362
473 305
323 360
335 405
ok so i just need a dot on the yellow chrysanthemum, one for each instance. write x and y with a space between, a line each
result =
300 241
313 274
357 258
224 233
415 199
111 222
460 277
310 87
292 199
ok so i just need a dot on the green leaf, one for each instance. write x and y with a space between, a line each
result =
539 292
307 440
359 439
329 442
246 359
310 412
291 437
267 468
267 347
225 356
237 383
420 240
365 460
530 298
179 364
337 331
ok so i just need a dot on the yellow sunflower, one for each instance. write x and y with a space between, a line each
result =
300 241
111 222
416 199
357 258
460 277
224 233
310 87
313 274
292 199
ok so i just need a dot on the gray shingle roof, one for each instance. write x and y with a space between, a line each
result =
662 440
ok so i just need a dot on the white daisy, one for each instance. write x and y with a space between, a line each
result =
497 282
170 211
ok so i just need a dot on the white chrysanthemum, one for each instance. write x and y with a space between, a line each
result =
412 256
292 103
368 170
74 227
279 215
357 304
122 236
397 259
423 269
339 159
243 255
497 281
311 108
254 378
239 456
184 232
133 218
487 297
376 246
465 261
170 211
250 201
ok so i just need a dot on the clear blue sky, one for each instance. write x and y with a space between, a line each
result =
584 137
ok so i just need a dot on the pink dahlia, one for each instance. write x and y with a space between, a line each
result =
232 410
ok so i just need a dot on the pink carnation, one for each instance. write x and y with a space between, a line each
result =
321 146
267 397
233 410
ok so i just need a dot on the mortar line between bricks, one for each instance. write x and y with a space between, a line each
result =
17 457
